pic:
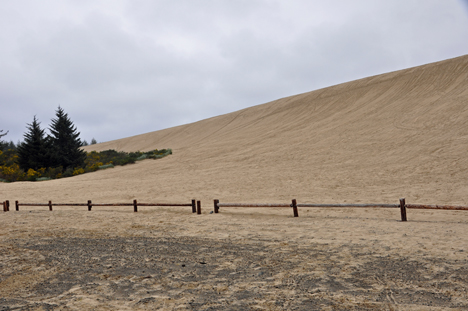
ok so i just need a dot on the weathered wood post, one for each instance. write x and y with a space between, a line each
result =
90 205
198 208
135 206
294 206
50 205
17 205
216 207
403 209
7 205
4 206
194 208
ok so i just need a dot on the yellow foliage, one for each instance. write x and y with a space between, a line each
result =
78 171
32 173
9 170
11 173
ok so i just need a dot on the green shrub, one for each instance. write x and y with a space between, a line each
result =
106 166
43 178
68 172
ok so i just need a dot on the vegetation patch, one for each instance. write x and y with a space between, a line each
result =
42 157
10 170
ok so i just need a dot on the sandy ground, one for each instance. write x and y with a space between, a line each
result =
240 259
374 140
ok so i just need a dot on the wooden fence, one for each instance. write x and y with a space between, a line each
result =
294 205
196 205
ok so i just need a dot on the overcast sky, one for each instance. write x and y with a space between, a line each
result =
125 67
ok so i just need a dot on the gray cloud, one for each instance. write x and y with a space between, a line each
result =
121 68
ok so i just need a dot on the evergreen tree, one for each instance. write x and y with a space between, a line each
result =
10 146
3 144
34 152
66 144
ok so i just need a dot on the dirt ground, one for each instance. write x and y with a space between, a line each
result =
240 259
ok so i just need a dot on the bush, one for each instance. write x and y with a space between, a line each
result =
32 175
43 178
12 173
78 171
68 172
54 172
106 166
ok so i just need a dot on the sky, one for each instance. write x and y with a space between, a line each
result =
120 68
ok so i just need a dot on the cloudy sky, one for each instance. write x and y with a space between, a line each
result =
125 67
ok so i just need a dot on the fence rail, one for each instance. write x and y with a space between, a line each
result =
351 205
294 205
446 207
196 205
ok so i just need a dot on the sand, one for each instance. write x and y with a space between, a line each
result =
259 259
400 134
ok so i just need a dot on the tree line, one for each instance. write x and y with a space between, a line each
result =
60 151
62 148
58 154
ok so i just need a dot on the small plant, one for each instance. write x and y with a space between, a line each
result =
68 172
78 171
54 172
12 173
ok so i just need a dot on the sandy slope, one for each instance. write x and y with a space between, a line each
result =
401 134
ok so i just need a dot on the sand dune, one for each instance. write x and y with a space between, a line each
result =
400 134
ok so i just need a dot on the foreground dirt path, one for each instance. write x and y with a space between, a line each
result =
170 259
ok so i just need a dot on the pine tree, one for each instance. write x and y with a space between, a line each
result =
66 144
34 152
3 144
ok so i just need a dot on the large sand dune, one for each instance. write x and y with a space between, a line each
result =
400 134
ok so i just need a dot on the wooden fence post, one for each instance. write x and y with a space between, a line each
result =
90 205
403 209
7 205
135 206
216 207
198 207
50 205
194 208
294 206
17 205
4 206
